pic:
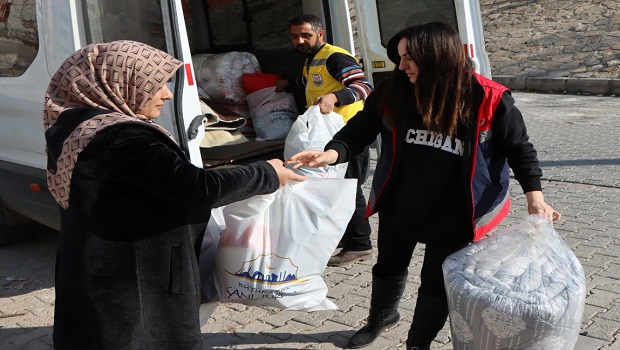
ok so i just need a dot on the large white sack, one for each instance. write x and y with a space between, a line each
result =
274 248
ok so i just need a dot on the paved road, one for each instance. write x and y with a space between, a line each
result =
577 138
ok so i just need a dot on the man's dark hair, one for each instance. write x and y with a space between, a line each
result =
314 21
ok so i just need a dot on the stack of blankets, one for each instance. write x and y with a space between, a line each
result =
522 288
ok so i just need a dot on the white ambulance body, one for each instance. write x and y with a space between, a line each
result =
37 35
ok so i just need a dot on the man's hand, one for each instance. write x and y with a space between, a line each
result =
281 85
326 103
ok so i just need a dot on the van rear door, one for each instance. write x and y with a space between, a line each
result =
379 20
188 27
160 24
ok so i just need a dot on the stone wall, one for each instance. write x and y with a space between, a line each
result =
550 38
553 38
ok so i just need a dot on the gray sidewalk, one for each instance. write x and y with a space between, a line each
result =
577 140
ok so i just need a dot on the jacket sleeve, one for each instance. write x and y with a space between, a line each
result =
512 141
359 132
346 70
143 158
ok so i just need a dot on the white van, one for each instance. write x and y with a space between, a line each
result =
37 35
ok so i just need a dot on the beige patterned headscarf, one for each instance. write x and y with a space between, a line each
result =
120 76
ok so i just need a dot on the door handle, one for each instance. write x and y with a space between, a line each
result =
192 130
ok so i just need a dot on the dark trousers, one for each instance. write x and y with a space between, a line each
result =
395 252
357 234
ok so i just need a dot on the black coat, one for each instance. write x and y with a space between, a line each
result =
494 139
126 271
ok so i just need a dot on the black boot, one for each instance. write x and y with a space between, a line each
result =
430 316
384 300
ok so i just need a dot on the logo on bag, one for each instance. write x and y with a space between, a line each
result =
317 79
268 269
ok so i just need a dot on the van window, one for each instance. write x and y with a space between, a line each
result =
396 15
19 38
139 20
239 25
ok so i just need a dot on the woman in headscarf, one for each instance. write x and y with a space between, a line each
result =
133 208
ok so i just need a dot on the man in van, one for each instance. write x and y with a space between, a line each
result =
334 80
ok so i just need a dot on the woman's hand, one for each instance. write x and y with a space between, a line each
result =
313 159
285 175
536 205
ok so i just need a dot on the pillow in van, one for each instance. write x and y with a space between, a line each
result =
253 82
219 76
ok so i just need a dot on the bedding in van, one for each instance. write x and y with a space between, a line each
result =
219 76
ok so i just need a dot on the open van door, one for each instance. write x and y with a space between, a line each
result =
37 35
379 20
160 24
35 38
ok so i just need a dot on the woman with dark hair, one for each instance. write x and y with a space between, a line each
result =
450 137
133 208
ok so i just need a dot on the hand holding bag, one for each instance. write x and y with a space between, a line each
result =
312 131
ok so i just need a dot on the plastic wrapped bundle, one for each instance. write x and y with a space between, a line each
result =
522 288
219 76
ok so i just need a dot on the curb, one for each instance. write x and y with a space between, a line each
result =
596 86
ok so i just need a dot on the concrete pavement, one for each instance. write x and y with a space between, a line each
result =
577 140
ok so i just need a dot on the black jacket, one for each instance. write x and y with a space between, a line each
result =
496 139
126 271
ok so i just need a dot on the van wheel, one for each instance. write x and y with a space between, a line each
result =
10 234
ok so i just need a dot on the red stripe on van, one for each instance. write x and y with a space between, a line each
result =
470 52
188 74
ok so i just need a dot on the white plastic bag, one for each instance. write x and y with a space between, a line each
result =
522 288
275 247
272 113
208 249
312 131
